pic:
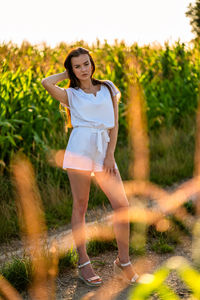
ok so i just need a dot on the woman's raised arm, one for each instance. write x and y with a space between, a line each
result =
58 93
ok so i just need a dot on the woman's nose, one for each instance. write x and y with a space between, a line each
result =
83 69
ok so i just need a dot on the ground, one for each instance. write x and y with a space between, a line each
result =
69 287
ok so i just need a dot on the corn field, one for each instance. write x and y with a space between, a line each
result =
30 119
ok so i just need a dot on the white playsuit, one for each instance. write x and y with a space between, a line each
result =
91 118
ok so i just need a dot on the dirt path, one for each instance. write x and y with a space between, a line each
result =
69 287
14 247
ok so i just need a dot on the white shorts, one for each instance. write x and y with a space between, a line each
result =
86 149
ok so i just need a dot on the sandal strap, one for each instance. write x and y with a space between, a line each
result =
83 265
134 278
93 278
126 264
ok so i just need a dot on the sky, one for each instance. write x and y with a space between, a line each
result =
50 21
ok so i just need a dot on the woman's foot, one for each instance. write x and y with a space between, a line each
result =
87 271
87 274
127 270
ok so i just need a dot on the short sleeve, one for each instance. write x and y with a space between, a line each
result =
115 90
69 98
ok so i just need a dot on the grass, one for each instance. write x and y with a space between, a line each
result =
181 226
94 247
162 247
190 207
164 242
68 259
172 154
18 272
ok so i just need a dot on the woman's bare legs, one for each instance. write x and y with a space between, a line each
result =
80 187
113 188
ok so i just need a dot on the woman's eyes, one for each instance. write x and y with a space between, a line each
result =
85 65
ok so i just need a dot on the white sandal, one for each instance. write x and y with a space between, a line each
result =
119 271
92 280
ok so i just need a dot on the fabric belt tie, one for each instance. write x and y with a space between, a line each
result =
102 136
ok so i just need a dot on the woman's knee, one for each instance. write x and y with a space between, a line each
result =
121 213
80 205
120 204
124 206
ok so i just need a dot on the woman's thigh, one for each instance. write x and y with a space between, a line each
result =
113 188
80 184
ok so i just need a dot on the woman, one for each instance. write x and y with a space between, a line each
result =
93 110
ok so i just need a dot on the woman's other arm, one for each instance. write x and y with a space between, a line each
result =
113 131
109 161
58 93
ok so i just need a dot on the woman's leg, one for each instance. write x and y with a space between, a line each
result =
113 188
80 187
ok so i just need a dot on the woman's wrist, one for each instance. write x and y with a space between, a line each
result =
53 79
110 153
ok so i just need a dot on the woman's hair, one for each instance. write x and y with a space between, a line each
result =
74 82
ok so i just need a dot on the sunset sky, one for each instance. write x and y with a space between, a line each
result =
142 21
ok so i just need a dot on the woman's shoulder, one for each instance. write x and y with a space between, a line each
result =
113 86
108 81
73 91
111 83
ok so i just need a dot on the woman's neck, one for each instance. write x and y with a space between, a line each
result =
86 84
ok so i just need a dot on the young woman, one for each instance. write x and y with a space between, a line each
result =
92 107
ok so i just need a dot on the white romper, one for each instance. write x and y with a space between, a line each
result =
91 118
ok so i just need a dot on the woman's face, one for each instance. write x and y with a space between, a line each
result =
82 66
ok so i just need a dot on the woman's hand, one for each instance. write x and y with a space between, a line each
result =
109 164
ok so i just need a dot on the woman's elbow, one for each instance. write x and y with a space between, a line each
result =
43 82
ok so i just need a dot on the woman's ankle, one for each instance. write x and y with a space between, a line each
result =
123 260
82 259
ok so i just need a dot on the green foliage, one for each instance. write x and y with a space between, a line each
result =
168 148
149 284
193 13
18 272
170 79
191 277
163 242
190 207
180 225
162 247
138 238
94 247
154 282
30 119
68 259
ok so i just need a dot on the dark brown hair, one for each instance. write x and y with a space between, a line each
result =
74 81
